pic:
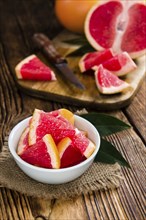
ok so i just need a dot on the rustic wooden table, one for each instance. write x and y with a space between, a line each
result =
18 21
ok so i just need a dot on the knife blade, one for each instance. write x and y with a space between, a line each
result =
46 45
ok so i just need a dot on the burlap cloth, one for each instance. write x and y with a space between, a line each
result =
97 177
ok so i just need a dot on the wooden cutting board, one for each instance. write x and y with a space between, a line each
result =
62 91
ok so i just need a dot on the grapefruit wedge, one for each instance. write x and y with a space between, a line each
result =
69 155
43 123
117 24
43 154
63 114
83 144
120 64
23 142
32 68
89 60
107 82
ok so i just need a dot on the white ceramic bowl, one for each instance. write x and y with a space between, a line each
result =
54 176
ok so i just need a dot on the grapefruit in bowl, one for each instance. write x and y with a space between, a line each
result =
49 175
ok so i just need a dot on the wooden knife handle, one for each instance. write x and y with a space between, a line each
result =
46 45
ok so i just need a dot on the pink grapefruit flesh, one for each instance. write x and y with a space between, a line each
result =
107 82
32 68
63 114
69 155
92 59
120 64
43 154
83 144
117 24
45 123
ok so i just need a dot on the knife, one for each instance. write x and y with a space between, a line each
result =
46 45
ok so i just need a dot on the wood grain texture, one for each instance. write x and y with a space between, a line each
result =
17 24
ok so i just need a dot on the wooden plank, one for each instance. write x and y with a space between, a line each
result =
14 206
69 209
136 112
41 208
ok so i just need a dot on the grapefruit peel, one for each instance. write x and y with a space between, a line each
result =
52 150
23 142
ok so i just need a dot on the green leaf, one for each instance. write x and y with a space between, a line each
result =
109 154
81 40
81 51
105 124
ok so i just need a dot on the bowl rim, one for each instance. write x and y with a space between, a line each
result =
18 158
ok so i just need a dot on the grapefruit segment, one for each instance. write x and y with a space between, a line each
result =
107 82
68 115
43 154
117 24
48 123
89 60
32 68
69 155
120 64
83 144
23 142
64 113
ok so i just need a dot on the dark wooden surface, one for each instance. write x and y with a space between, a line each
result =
18 21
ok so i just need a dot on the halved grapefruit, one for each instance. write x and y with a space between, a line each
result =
69 155
32 68
43 154
107 82
117 24
89 60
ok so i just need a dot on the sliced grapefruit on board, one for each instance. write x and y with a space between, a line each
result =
120 64
117 24
46 123
32 68
23 142
43 154
108 83
69 155
92 59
